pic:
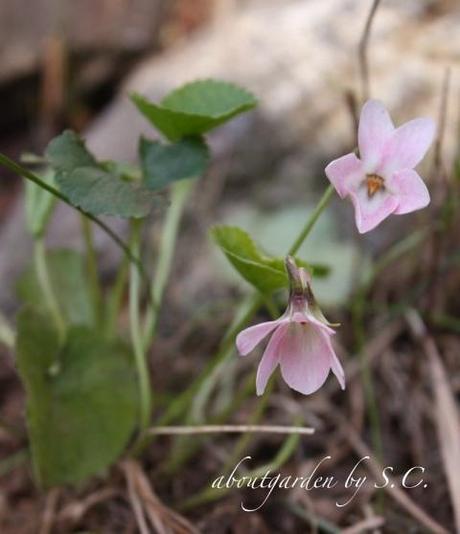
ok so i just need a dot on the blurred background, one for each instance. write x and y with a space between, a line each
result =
71 64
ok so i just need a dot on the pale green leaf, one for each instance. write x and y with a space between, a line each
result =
265 273
67 274
195 108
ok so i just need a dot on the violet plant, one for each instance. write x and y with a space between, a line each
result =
89 398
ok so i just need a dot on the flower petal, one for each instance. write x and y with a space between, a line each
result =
345 173
247 339
270 359
370 212
337 368
305 357
411 191
374 130
407 145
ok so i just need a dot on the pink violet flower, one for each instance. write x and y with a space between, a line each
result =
382 180
300 342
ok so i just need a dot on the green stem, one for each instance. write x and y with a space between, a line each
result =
324 201
145 400
91 263
182 402
44 280
180 193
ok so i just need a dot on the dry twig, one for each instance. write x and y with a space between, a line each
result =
230 429
362 51
49 514
146 504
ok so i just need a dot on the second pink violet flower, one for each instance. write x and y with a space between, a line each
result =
300 343
382 181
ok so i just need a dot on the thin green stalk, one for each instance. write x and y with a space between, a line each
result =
41 268
25 173
145 401
179 195
263 403
253 304
91 264
324 201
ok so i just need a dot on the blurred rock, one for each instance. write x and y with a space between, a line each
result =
86 25
300 58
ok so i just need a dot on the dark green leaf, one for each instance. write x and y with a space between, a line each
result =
90 186
66 268
195 108
265 273
81 399
164 164
101 193
67 151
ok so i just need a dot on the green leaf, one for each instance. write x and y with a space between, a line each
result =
81 399
276 230
67 151
265 273
164 164
39 204
67 273
195 108
101 193
91 185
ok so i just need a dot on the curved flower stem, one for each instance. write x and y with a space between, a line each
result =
25 173
311 221
43 276
247 311
145 400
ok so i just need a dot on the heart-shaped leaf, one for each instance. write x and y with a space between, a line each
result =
81 399
195 108
67 274
165 164
90 186
265 273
